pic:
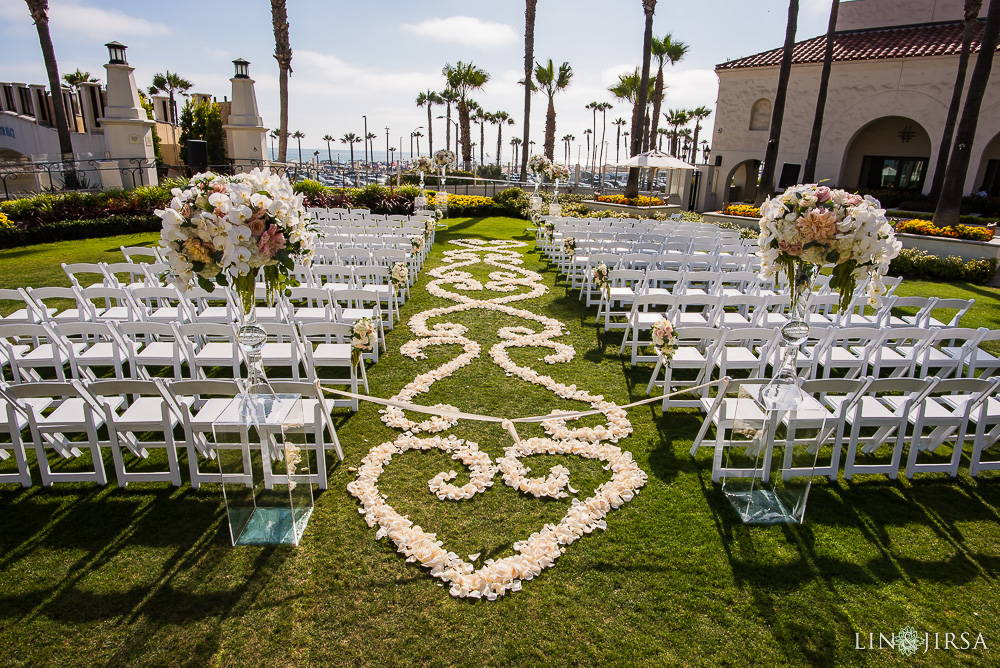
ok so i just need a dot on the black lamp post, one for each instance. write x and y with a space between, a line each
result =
387 150
707 151
116 53
242 69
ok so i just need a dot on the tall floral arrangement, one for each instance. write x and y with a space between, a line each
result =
444 158
423 163
824 227
557 171
225 229
539 164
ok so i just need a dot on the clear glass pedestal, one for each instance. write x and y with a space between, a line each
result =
767 466
265 472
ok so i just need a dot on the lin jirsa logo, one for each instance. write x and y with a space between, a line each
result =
909 641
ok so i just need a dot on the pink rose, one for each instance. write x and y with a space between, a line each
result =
256 226
823 194
818 225
854 200
271 241
791 249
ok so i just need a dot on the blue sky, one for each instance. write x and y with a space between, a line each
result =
373 58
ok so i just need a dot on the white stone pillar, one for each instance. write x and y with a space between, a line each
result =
129 133
245 131
90 100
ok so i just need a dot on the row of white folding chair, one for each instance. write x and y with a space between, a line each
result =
143 253
578 266
628 278
115 274
869 415
139 416
138 350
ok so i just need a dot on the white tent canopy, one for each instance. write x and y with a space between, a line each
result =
656 159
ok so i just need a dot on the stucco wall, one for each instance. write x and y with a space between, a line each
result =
860 14
861 92
41 143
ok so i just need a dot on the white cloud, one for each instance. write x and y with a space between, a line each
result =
78 20
464 30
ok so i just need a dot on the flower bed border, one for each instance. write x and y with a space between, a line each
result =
593 205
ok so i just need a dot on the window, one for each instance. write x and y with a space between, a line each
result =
891 172
760 115
991 184
789 175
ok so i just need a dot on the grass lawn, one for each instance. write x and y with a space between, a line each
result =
146 575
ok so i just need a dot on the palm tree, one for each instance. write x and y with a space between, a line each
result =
675 119
370 146
429 98
283 54
417 134
588 133
809 172
972 8
480 117
39 10
515 144
699 114
274 136
170 83
449 97
351 139
618 140
778 114
529 59
566 141
661 133
552 81
664 48
464 78
73 80
603 108
299 135
627 89
947 211
593 108
648 8
499 118
328 139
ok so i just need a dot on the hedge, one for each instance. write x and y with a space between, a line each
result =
78 229
916 263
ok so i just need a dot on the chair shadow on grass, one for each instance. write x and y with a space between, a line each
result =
173 535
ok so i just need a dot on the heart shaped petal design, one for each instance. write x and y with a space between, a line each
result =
540 550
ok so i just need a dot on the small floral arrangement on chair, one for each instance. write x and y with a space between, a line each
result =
362 339
599 275
417 243
548 228
569 245
539 164
399 274
428 228
665 339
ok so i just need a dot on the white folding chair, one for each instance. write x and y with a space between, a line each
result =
982 363
13 421
376 278
646 311
899 351
921 307
21 309
152 345
210 346
161 304
353 305
200 403
127 275
987 422
65 309
29 348
114 304
747 349
697 351
738 420
211 306
282 349
93 344
948 351
141 253
316 409
85 274
886 420
623 286
134 411
738 311
328 346
61 418
310 304
848 350
959 306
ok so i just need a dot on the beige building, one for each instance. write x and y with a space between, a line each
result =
893 74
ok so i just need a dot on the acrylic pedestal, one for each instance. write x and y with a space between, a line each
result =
265 472
767 465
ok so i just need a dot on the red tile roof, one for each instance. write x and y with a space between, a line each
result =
939 39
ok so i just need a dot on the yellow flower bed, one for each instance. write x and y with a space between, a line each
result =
745 210
462 200
927 228
6 223
642 200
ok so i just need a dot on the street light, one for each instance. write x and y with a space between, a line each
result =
387 150
412 135
456 132
366 138
706 151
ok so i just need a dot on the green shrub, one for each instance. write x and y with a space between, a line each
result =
309 188
921 264
78 229
493 172
513 202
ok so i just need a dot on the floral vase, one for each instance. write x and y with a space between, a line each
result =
783 391
258 396
555 209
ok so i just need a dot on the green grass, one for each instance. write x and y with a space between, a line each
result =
146 576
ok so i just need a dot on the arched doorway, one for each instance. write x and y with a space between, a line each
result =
988 176
741 184
890 152
10 155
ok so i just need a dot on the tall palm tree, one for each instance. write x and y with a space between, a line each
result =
675 119
972 8
329 154
648 8
627 89
529 59
370 139
351 139
273 135
778 114
587 134
417 134
551 82
283 54
664 48
809 172
73 80
660 134
429 99
449 97
619 122
947 211
464 78
499 118
515 144
593 106
299 136
170 83
699 114
603 108
566 141
39 10
480 117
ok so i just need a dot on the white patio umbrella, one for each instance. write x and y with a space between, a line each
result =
657 159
